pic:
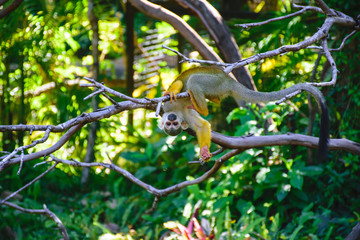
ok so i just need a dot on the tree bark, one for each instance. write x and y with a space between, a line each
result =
355 233
9 8
129 20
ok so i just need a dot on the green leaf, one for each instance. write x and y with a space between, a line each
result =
136 157
221 203
149 150
244 207
293 235
235 114
261 175
283 192
296 180
311 171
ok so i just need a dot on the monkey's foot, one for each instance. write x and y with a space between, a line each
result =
205 153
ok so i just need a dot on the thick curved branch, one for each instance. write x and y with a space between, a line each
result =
248 142
2 2
355 233
328 11
158 12
9 8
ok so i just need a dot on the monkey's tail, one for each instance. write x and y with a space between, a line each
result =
242 93
324 131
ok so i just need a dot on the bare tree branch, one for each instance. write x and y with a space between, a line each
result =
303 9
342 45
34 143
94 116
281 140
158 12
28 184
330 59
355 233
192 60
328 12
9 8
320 34
45 212
46 152
148 187
2 2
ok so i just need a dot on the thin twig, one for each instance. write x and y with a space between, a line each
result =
342 45
28 184
22 148
113 92
213 154
251 25
158 108
94 94
44 211
192 60
110 99
343 42
154 205
288 96
312 8
21 162
332 63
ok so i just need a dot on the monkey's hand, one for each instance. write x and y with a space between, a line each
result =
171 94
205 153
174 89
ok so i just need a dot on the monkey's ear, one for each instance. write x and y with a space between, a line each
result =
184 125
161 123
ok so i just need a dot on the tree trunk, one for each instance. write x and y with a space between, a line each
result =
129 20
89 157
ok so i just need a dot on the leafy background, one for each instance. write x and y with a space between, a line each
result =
272 192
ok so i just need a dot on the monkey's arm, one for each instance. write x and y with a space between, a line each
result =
203 134
174 89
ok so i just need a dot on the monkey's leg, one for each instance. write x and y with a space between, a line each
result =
174 89
199 102
203 133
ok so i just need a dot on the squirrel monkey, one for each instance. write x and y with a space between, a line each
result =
214 84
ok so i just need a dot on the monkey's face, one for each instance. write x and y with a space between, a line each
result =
172 123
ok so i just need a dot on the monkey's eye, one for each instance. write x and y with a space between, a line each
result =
175 123
168 123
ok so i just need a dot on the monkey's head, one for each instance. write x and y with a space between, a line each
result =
172 123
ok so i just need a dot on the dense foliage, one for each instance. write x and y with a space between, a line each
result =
269 193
